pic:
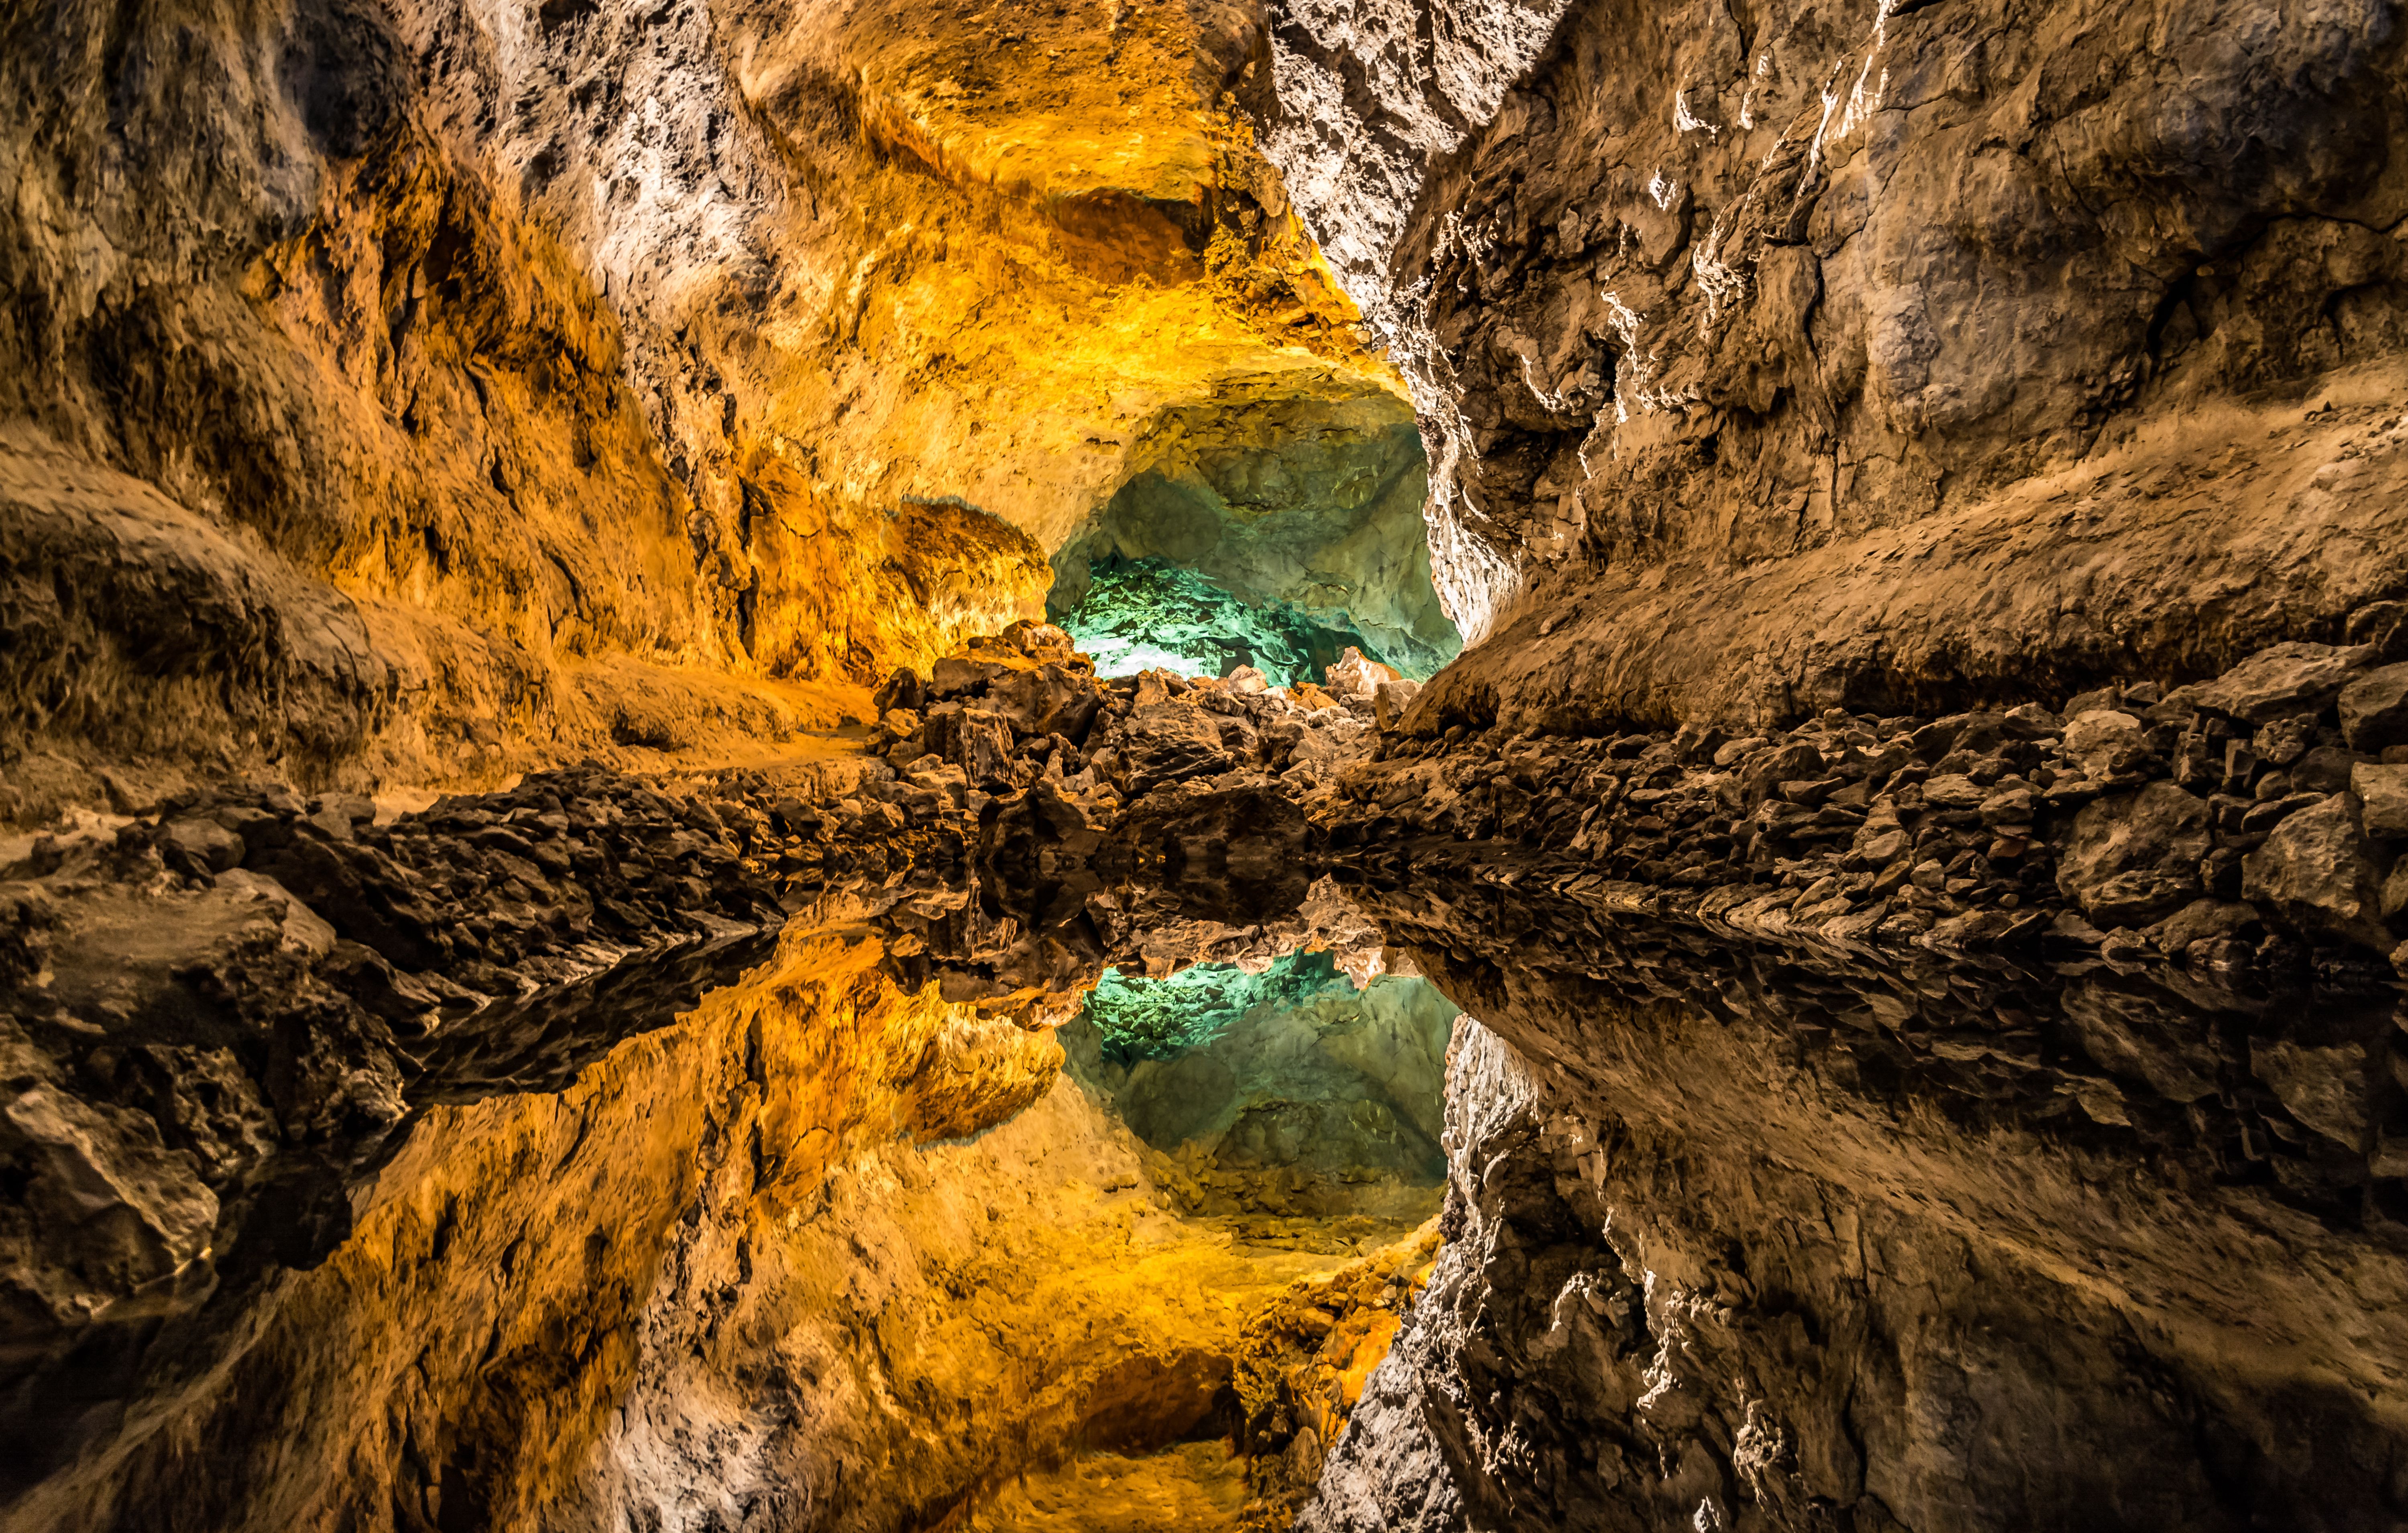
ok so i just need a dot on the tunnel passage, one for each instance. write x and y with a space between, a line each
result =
1300 1107
1274 533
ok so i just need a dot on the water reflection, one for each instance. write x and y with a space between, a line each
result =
1851 1165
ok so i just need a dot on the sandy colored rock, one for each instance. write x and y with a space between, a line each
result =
2374 709
2317 872
2131 859
1731 421
2383 798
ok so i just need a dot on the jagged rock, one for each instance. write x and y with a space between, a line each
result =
2325 769
2130 859
103 1210
2280 680
2324 1085
2383 799
2317 872
977 740
1050 699
902 689
1169 741
2106 744
1390 699
1356 676
209 842
2374 709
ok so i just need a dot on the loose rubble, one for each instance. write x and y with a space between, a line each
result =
2253 823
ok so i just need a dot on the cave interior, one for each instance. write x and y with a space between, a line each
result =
1102 766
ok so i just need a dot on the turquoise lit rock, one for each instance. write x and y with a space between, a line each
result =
1147 614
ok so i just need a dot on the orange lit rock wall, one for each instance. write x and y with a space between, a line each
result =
426 392
779 1258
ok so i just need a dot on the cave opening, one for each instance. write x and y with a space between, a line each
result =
1297 1103
1272 532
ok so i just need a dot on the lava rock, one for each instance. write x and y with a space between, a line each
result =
2280 680
2316 871
206 841
2374 709
2106 744
2383 799
1390 699
2133 859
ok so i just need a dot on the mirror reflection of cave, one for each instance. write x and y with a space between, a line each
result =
1275 533
1292 1102
751 750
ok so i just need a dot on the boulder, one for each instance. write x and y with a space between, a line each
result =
1170 741
212 844
2280 680
2131 859
2383 799
2374 709
976 741
2106 744
1356 676
1389 701
2285 740
903 689
1050 699
1796 762
1039 640
2326 768
2317 872
2323 1086
1954 791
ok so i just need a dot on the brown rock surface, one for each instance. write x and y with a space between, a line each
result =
748 350
1897 359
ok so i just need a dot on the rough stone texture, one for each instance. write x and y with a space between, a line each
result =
2131 860
2318 869
1904 358
2374 709
1785 1236
356 1165
2141 814
614 377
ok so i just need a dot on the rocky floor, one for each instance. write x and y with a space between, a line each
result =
2251 823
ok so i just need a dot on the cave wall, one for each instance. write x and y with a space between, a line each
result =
1959 1277
1314 503
426 391
826 1253
1779 356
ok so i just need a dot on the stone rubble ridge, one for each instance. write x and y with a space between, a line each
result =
2252 824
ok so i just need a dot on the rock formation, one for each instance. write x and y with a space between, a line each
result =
407 393
558 882
1899 357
